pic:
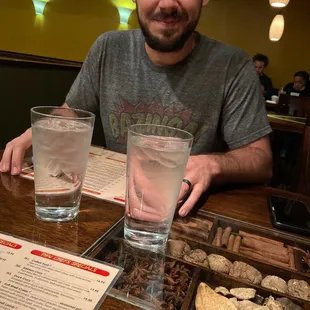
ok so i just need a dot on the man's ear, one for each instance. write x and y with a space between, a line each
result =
204 2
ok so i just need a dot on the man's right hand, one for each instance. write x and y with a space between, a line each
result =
12 159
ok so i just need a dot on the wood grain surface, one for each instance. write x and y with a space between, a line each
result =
17 217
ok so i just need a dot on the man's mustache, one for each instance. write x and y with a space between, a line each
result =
162 16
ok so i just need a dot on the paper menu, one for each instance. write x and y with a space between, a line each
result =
33 277
105 176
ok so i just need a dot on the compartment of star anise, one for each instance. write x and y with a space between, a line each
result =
152 278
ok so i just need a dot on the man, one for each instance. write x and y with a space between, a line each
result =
169 74
261 62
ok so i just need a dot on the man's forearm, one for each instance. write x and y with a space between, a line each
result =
250 164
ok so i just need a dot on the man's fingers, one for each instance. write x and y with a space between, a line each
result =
142 215
5 164
191 200
184 189
17 160
14 153
149 209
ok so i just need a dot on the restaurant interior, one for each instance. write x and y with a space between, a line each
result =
43 44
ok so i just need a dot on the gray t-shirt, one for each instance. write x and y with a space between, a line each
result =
214 93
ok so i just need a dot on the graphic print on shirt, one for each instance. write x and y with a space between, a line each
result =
126 114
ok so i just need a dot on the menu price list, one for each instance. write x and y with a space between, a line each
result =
33 277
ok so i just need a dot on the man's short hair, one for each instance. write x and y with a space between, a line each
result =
303 74
263 58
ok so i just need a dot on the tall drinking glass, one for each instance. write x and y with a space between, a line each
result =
61 139
156 161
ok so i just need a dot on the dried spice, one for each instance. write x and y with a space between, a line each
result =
305 260
162 283
193 226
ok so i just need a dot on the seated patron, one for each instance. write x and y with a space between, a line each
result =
261 62
300 86
162 74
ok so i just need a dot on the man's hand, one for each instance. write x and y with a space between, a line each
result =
12 159
199 171
150 197
249 164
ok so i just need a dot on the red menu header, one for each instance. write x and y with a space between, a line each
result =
9 244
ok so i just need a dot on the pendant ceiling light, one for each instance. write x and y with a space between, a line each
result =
39 6
279 3
124 14
276 28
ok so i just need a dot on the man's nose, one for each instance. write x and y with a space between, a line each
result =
168 5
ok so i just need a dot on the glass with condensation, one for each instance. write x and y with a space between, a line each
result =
156 161
61 139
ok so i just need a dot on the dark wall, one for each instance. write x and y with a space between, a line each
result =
24 85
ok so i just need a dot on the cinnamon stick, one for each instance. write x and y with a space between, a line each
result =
236 245
259 257
214 240
245 234
281 258
291 257
209 224
257 244
231 242
218 236
225 237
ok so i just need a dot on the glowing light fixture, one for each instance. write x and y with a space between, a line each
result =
39 6
279 3
277 28
129 4
124 14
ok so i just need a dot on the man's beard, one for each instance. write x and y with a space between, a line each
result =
173 44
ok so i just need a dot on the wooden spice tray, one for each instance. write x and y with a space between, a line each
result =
266 245
149 280
198 233
264 269
214 279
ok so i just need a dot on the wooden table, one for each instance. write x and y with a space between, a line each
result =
285 125
301 127
17 217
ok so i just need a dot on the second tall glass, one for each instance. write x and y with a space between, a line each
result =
156 161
